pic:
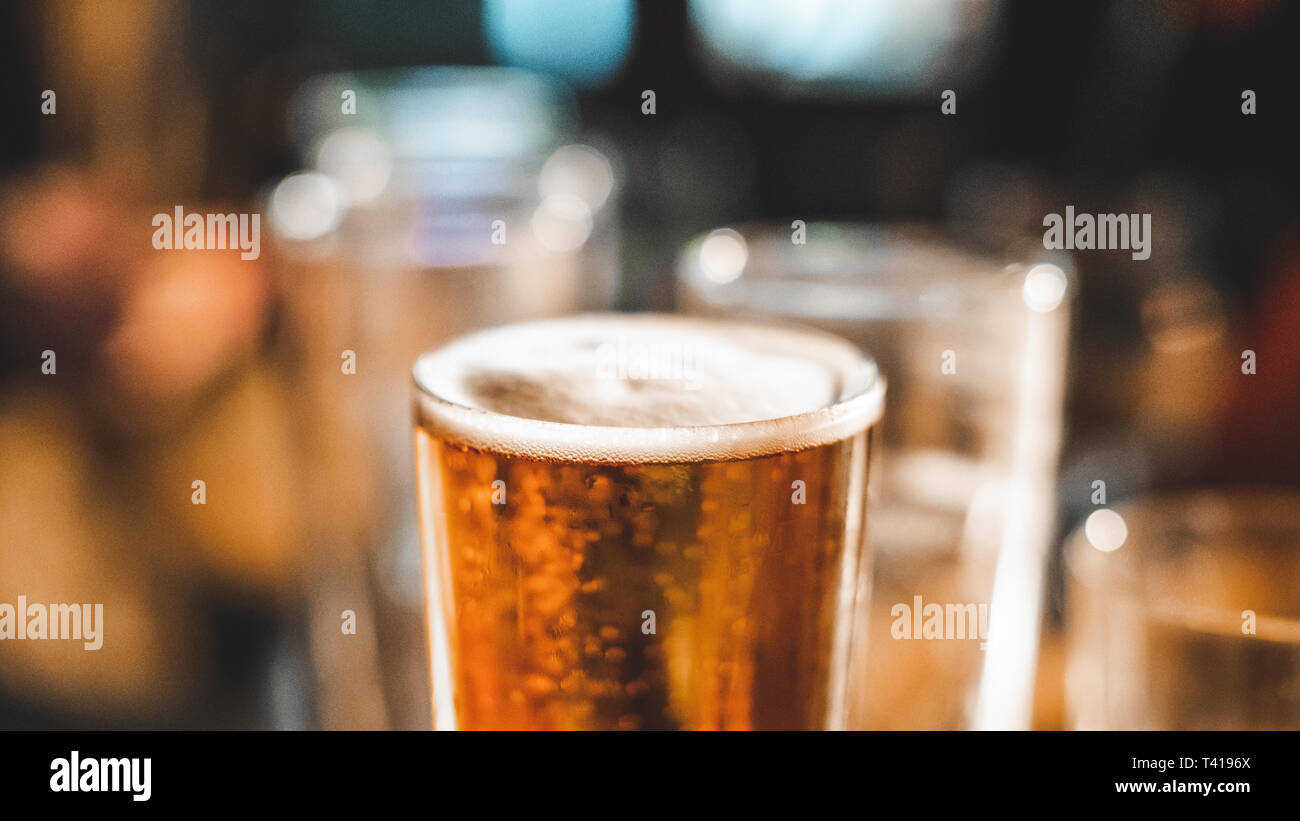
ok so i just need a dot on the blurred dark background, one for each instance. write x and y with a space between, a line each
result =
1112 107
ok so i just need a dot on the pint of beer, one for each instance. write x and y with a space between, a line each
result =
643 522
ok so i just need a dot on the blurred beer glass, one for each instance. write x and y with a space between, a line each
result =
974 347
434 202
1184 613
643 522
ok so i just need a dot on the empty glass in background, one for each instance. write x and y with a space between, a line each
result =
451 199
974 347
1183 613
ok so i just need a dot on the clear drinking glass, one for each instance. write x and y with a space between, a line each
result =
433 202
643 522
1193 621
974 346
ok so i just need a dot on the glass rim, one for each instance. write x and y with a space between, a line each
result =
1265 503
854 410
983 274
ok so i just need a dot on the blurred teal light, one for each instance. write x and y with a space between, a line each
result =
867 44
582 41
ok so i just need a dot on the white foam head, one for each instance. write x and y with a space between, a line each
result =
646 388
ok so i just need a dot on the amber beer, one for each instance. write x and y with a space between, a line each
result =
643 522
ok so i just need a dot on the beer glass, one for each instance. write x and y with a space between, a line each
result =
1184 613
974 346
642 522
